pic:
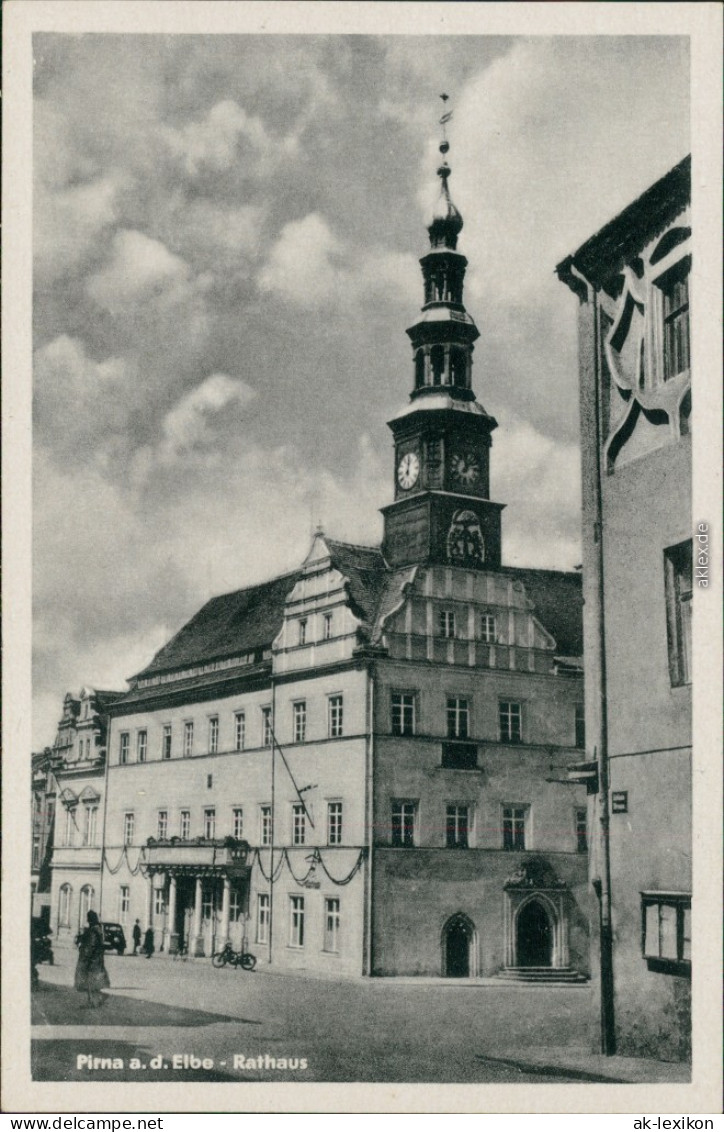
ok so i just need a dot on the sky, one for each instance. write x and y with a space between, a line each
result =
226 240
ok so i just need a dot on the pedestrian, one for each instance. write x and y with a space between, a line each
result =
148 943
90 972
136 937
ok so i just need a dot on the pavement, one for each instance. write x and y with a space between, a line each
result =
164 1020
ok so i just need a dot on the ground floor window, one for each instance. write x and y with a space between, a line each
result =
159 902
64 900
236 906
207 902
262 917
404 820
296 921
581 830
331 924
666 931
86 903
124 903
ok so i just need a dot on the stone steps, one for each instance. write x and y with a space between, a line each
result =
542 975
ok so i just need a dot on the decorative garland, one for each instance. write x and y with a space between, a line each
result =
124 854
316 859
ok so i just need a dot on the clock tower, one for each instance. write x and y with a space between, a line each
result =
442 511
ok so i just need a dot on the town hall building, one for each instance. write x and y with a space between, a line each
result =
360 767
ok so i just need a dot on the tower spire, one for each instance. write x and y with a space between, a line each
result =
447 222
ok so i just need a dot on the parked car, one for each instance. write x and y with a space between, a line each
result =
114 938
41 948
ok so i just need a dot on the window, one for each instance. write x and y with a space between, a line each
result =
510 717
166 741
141 746
678 586
296 921
580 725
124 903
675 288
265 825
460 756
488 629
300 721
581 830
447 622
331 924
262 917
236 905
239 730
207 901
514 822
159 902
213 734
125 740
185 825
209 781
302 639
238 822
403 713
188 738
336 716
266 726
299 824
69 824
91 822
64 906
334 823
129 825
328 626
666 931
404 816
210 823
457 827
87 894
162 825
458 718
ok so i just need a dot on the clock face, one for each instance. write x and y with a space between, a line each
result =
408 470
464 468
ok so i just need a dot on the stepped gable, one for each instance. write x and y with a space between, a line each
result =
558 600
365 569
229 625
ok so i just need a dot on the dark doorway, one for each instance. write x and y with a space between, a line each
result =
534 936
185 897
458 938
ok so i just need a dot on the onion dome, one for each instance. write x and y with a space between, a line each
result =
447 222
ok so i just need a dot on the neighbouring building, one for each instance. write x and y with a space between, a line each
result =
75 794
360 766
632 280
43 823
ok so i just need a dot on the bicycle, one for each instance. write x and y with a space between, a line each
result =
227 955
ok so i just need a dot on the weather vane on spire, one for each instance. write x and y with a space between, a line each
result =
445 144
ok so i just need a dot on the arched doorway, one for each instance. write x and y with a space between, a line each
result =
458 947
534 936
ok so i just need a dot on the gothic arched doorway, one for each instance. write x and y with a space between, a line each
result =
534 936
458 945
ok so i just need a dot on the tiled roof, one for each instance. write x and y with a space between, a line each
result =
558 600
229 625
365 568
188 685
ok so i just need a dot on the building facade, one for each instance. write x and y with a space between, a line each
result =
76 795
632 282
360 766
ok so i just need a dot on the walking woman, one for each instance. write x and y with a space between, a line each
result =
90 973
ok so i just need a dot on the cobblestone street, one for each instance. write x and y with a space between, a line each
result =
264 1026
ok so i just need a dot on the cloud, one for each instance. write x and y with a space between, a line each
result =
140 269
538 479
225 138
310 266
70 390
